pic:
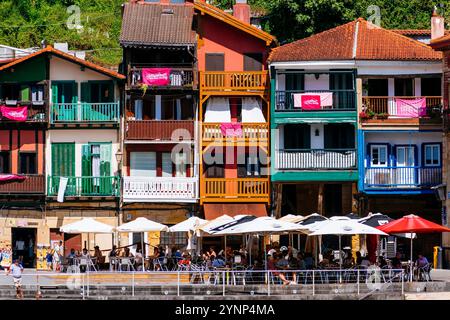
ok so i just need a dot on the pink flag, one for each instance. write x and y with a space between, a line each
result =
156 76
11 177
310 102
411 108
313 101
14 113
231 129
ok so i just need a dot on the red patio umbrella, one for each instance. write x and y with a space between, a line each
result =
412 224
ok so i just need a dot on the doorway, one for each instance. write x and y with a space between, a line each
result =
24 246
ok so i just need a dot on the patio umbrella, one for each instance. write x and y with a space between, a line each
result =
142 225
343 226
412 224
311 222
291 218
188 225
352 215
87 225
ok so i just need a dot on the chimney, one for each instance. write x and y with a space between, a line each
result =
437 25
241 11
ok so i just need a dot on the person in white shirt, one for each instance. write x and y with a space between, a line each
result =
16 269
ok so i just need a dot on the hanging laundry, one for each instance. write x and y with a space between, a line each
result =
411 108
11 177
14 113
231 129
313 100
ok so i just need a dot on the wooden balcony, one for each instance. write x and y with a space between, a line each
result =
83 112
33 184
252 133
235 190
160 189
85 186
180 77
378 108
315 159
157 130
234 82
402 177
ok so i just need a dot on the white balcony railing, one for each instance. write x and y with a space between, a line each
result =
402 177
309 159
159 189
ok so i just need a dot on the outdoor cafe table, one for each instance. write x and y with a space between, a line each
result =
91 261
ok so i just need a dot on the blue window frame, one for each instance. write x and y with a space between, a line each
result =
378 155
431 154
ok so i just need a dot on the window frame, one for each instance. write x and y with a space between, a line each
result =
377 145
424 153
7 154
20 161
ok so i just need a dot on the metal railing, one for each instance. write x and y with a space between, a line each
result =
33 184
347 283
178 77
292 159
158 129
402 177
83 112
159 189
387 105
343 100
85 186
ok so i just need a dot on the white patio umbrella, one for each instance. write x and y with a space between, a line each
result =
87 225
343 226
188 225
291 218
262 226
142 225
206 227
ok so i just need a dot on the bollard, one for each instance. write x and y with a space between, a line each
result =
437 258
313 281
223 281
178 283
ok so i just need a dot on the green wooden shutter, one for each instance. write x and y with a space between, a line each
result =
86 169
85 92
110 86
55 93
63 164
74 92
24 93
105 169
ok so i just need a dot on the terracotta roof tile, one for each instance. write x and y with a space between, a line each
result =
373 43
157 24
50 49
441 43
415 32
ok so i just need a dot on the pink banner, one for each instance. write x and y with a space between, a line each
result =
11 177
411 108
14 113
156 76
313 101
231 129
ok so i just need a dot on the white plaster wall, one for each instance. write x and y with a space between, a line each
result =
311 83
63 70
81 137
317 142
403 138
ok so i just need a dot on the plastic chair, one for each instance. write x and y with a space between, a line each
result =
127 263
424 272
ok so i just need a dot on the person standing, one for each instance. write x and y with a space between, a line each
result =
16 269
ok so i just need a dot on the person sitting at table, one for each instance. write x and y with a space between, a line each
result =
309 261
126 253
98 255
421 261
211 253
301 265
113 252
272 266
358 258
139 258
397 262
365 263
186 261
71 256
274 248
218 262
349 261
85 253
382 262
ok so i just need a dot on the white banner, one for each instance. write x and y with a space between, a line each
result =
62 188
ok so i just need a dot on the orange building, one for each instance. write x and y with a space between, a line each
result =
233 112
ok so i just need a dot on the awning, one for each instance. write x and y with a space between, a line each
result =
214 210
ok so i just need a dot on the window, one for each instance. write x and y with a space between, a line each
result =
405 156
65 92
143 164
10 92
177 239
297 136
215 62
27 163
404 87
378 156
177 1
4 162
253 61
99 92
432 155
166 164
251 168
339 136
37 93
180 164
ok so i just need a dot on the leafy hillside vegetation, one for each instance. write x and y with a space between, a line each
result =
25 23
